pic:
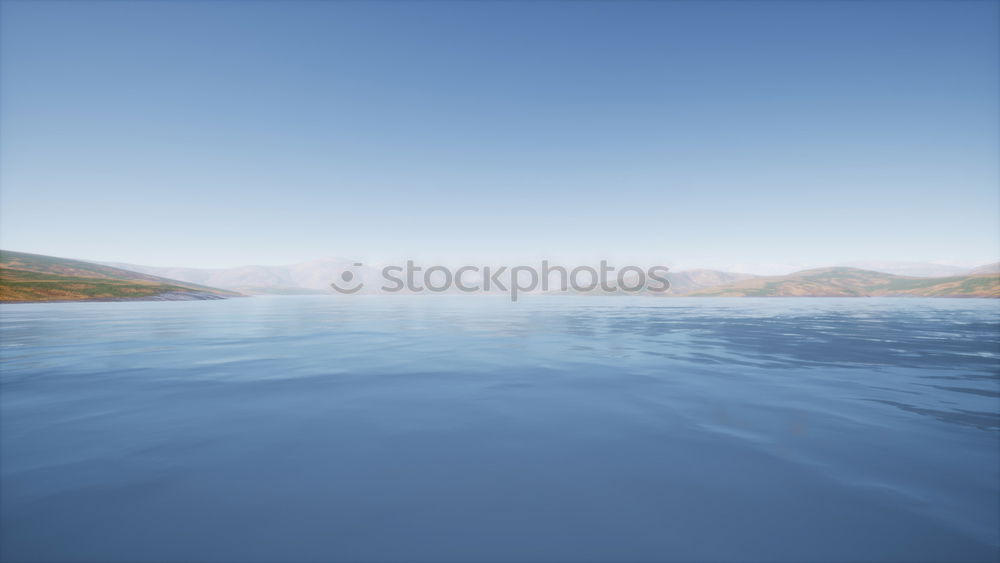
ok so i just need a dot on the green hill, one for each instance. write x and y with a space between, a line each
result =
853 282
34 277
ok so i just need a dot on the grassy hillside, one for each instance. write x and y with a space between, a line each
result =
34 277
853 282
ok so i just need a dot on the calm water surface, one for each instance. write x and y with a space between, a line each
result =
471 429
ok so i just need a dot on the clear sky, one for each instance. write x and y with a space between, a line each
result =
689 133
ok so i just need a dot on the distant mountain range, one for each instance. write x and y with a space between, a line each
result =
315 277
303 278
687 281
854 282
34 277
915 269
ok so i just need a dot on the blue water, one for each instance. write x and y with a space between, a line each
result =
470 429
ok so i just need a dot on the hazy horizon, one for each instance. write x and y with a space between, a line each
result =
759 269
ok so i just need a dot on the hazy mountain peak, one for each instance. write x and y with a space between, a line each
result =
993 268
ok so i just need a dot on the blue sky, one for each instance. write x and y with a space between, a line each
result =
694 134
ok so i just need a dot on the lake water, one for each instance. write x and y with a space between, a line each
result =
406 428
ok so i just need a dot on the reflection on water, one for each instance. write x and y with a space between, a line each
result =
468 428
